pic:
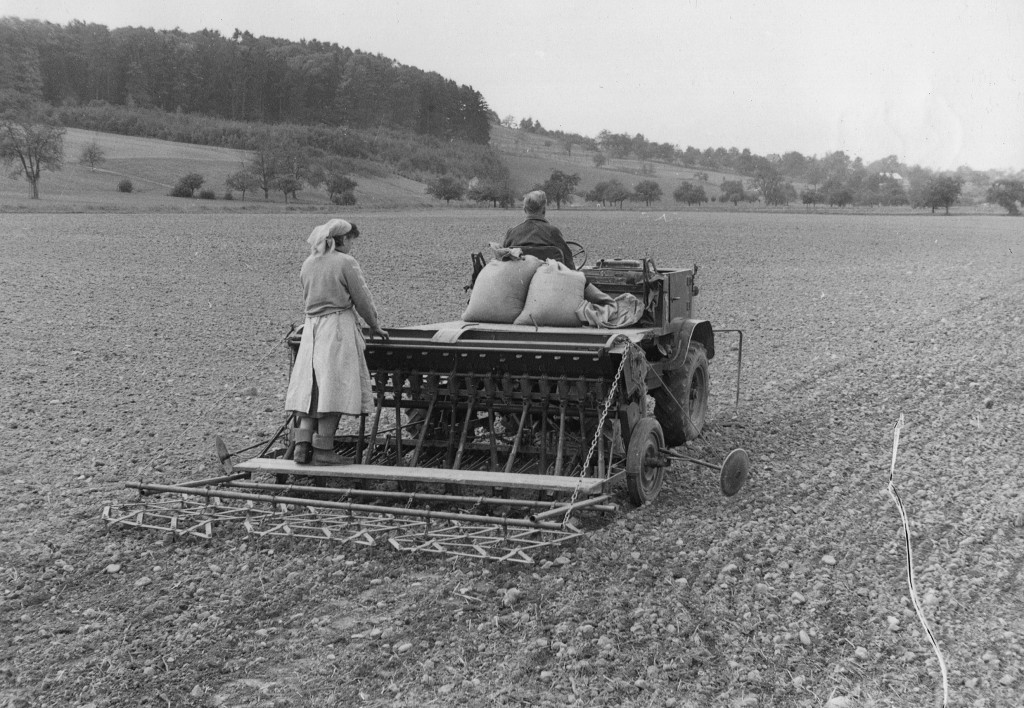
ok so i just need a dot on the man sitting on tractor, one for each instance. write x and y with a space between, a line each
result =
537 237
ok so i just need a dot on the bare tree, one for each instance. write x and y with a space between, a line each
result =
32 143
92 155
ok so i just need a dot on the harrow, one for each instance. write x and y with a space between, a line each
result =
488 441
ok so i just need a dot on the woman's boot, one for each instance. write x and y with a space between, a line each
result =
303 452
323 452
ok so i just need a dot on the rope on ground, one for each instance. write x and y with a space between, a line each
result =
910 563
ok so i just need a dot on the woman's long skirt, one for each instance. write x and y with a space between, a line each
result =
331 350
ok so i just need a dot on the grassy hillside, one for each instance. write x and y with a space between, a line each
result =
531 158
154 166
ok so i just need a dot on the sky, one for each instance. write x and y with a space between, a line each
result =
938 83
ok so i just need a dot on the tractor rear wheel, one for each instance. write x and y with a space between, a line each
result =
645 465
681 403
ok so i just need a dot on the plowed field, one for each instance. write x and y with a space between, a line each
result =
129 341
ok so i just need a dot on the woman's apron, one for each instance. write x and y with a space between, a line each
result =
332 350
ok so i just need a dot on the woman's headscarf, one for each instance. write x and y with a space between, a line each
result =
332 229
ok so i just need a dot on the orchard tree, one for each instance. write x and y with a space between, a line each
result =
769 183
942 191
600 160
31 142
779 193
836 165
610 192
92 154
881 188
835 193
690 194
187 185
647 191
1007 193
559 187
499 194
793 164
338 184
447 188
616 193
597 193
288 184
732 191
242 181
615 144
270 160
787 195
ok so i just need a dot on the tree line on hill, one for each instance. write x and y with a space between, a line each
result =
836 179
240 78
939 191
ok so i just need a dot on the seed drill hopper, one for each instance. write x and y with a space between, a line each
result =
486 440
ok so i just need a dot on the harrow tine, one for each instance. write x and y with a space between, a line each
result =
492 440
376 421
583 427
396 382
561 438
423 429
542 458
465 429
361 439
519 435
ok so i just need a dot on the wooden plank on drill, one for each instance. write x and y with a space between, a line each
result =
391 473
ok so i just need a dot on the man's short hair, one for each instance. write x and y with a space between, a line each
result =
535 202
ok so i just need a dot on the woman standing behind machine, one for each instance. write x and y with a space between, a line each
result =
330 377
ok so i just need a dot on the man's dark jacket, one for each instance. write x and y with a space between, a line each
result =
539 238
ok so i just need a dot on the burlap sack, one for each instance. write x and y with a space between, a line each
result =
500 290
556 292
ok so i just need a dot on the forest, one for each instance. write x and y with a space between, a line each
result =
239 78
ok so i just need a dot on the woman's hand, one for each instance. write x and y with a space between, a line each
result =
376 331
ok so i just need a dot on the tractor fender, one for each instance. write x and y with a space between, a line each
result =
676 338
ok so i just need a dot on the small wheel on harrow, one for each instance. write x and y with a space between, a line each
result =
735 470
645 465
681 404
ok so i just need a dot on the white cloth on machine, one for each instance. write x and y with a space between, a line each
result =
625 310
331 348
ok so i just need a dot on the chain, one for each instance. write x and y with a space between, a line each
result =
600 426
